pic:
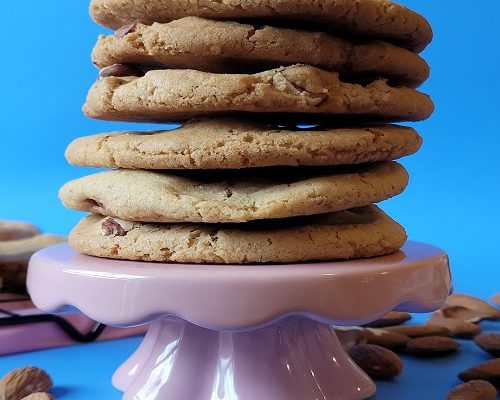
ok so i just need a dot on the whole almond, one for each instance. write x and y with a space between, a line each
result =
473 390
457 327
483 309
22 382
40 396
495 299
349 338
418 330
376 361
489 342
389 340
432 346
390 319
488 371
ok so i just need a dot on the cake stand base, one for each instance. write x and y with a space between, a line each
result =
240 332
294 359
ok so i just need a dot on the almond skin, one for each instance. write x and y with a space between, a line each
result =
389 340
495 299
489 343
349 338
488 371
376 361
419 330
390 319
432 346
22 382
473 390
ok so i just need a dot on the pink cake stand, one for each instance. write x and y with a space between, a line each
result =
240 332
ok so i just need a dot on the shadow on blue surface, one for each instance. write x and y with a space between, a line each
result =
84 372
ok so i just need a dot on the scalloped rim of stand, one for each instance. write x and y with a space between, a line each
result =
240 297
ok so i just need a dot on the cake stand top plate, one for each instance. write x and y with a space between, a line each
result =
239 297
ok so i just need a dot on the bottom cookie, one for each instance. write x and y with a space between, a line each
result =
357 233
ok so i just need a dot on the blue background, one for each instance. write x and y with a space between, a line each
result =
452 199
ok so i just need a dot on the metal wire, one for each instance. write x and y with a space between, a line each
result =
14 319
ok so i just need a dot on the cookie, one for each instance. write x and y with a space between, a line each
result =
228 47
358 233
380 19
167 95
233 143
15 256
232 195
14 230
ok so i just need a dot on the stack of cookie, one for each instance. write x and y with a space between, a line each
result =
243 180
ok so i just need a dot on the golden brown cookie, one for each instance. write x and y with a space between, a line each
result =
381 19
167 95
14 258
232 47
224 196
358 233
14 230
234 143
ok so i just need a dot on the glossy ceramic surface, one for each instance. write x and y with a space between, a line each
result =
294 359
240 332
239 297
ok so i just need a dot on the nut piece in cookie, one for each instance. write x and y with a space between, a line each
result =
115 227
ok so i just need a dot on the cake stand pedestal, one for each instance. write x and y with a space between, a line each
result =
240 332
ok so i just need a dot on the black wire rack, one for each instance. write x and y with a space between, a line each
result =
11 318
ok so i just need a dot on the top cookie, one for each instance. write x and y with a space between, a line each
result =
373 18
227 46
169 95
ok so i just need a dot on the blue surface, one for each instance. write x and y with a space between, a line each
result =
451 200
84 372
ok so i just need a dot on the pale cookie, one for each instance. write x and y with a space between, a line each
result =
232 143
163 95
14 230
14 258
232 195
222 46
372 18
357 233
